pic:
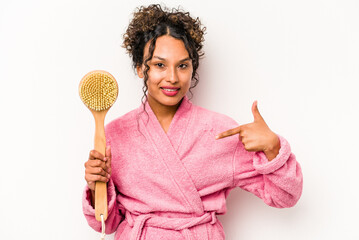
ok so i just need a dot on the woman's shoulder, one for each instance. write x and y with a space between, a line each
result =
124 122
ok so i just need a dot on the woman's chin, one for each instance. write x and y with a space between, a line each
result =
171 101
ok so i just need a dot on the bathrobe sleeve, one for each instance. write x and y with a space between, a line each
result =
115 210
278 182
114 215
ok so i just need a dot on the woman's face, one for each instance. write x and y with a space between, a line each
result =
170 73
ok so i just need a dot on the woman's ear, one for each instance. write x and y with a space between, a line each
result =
139 71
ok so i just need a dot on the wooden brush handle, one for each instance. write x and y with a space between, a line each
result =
100 146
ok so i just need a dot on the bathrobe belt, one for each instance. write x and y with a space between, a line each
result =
137 222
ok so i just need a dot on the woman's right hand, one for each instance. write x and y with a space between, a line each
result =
98 167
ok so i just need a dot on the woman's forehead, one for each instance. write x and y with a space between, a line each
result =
168 47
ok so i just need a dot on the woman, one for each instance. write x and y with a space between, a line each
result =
172 164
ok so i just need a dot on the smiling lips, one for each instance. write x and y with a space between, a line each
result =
170 91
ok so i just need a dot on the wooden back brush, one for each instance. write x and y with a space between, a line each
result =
98 91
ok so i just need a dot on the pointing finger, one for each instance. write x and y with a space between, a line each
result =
229 132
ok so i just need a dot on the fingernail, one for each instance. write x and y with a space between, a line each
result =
108 175
217 137
105 159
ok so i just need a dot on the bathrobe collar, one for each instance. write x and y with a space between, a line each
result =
167 146
179 123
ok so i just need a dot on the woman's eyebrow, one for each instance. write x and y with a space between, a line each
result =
164 59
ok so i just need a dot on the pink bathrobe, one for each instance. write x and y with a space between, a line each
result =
171 186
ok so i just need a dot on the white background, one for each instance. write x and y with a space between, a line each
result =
299 59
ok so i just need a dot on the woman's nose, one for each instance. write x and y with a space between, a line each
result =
172 75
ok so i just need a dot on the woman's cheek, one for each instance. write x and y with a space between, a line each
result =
156 77
153 80
188 81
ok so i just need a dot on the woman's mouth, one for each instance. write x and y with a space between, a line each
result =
170 91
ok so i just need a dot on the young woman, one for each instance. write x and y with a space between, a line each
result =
171 163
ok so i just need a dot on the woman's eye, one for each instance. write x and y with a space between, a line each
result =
183 65
159 64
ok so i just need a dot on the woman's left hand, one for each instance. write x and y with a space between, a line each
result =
256 136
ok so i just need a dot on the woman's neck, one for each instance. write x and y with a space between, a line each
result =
163 113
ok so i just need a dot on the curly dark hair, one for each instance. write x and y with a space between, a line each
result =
151 22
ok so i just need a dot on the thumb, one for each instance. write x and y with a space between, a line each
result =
257 116
108 152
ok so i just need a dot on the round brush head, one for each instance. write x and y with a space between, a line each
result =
98 90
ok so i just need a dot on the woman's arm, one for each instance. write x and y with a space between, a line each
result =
114 215
278 182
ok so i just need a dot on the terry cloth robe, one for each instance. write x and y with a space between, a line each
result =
171 186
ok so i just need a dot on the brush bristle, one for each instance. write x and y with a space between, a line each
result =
98 90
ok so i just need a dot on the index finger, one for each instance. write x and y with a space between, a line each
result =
229 132
96 155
